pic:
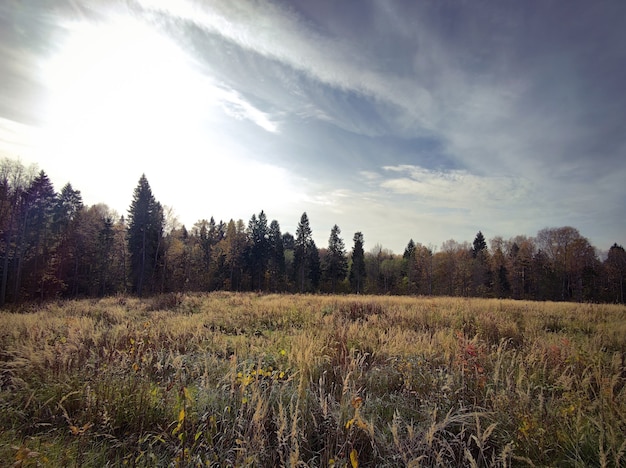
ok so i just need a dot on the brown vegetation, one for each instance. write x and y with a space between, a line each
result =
233 379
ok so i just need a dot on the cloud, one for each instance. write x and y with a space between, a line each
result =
401 114
455 189
278 34
237 107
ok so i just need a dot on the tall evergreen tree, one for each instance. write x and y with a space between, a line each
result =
302 252
336 266
145 228
357 269
277 257
315 268
106 239
259 249
409 264
481 277
615 265
37 239
68 206
479 245
66 227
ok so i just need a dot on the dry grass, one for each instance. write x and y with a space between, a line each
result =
229 379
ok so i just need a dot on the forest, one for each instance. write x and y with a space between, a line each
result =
53 246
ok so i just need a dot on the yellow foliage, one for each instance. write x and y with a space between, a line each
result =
354 458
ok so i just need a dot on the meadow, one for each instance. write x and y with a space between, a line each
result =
240 379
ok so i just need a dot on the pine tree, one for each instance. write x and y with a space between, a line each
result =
357 269
336 266
145 228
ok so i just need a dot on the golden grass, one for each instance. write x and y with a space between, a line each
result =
229 379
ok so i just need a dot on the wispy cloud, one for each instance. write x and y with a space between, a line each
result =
237 107
454 189
279 34
388 115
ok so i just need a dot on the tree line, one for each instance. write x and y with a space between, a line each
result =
52 245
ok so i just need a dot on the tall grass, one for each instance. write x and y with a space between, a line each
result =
228 379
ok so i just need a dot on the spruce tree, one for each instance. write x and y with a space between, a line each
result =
479 245
336 266
357 269
302 252
37 240
277 256
145 228
315 268
259 248
409 265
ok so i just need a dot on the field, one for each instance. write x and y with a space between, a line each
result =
230 379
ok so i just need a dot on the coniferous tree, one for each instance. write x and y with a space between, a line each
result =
615 265
336 266
408 261
479 244
66 227
68 206
303 245
259 249
234 246
145 228
315 268
276 267
357 268
480 272
106 239
37 240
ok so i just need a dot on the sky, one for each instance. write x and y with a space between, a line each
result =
426 120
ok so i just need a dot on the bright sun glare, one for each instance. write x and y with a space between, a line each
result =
125 95
121 84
